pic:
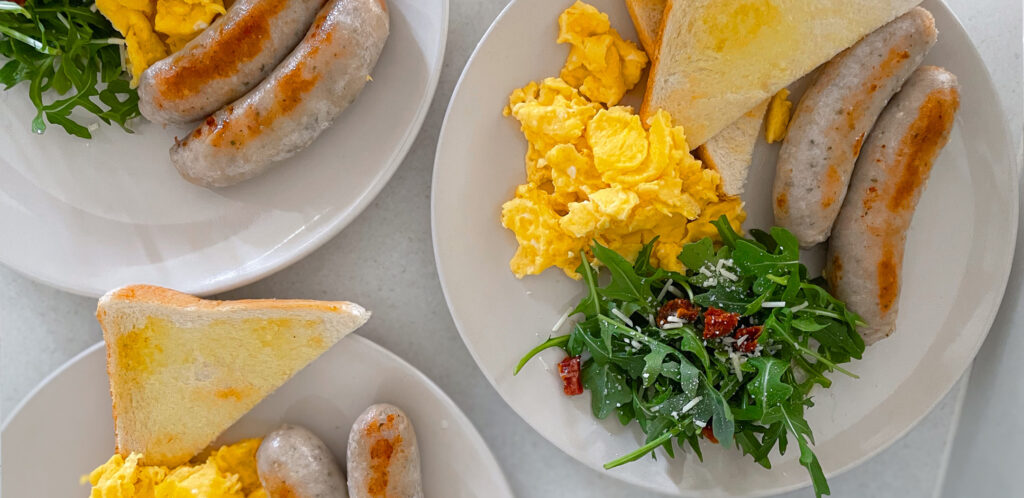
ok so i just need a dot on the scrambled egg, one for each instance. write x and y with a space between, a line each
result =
777 121
601 64
153 29
597 173
228 472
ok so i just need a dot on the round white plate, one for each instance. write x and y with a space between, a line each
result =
87 216
64 428
956 265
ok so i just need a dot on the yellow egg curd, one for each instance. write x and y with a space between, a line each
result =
599 174
601 64
228 472
153 29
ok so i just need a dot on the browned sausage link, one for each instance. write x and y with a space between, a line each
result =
228 59
832 118
865 253
298 101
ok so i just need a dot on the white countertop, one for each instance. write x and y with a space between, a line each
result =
384 261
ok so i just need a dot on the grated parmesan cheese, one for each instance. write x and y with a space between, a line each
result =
622 317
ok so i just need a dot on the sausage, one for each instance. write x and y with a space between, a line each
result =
865 253
293 462
226 60
286 112
833 117
383 456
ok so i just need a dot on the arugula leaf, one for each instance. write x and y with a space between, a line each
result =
767 387
695 254
607 385
591 304
653 363
625 285
70 58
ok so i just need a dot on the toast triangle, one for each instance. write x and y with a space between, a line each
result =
183 369
731 150
717 59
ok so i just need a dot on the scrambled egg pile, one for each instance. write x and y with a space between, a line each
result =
229 472
601 64
596 173
153 29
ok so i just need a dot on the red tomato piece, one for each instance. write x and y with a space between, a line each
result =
750 343
718 323
709 434
682 309
569 371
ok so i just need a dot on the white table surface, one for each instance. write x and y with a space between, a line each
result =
384 261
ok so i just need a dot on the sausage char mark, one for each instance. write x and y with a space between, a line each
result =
237 43
381 452
920 145
888 277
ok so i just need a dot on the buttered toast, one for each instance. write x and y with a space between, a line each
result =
718 59
183 369
731 150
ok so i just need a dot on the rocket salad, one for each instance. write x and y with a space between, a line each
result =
728 351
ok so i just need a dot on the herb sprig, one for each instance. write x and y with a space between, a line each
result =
675 383
64 46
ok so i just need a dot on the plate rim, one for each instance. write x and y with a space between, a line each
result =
234 278
1014 215
475 438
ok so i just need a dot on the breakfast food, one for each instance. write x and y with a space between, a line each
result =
599 173
647 15
152 29
227 472
731 150
293 462
776 124
720 353
183 369
601 65
722 58
865 253
299 100
224 62
833 118
383 455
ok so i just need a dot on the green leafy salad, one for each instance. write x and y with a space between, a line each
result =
729 352
71 58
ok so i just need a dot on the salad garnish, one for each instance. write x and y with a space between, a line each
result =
69 48
729 351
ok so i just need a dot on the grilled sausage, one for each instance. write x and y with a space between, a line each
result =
293 462
865 253
833 117
226 60
299 100
383 456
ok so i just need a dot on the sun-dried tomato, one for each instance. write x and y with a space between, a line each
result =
682 309
709 434
750 343
569 371
718 323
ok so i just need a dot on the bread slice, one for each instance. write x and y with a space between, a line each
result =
731 150
183 369
718 58
646 15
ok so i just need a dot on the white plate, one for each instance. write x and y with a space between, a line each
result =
956 265
86 216
64 428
